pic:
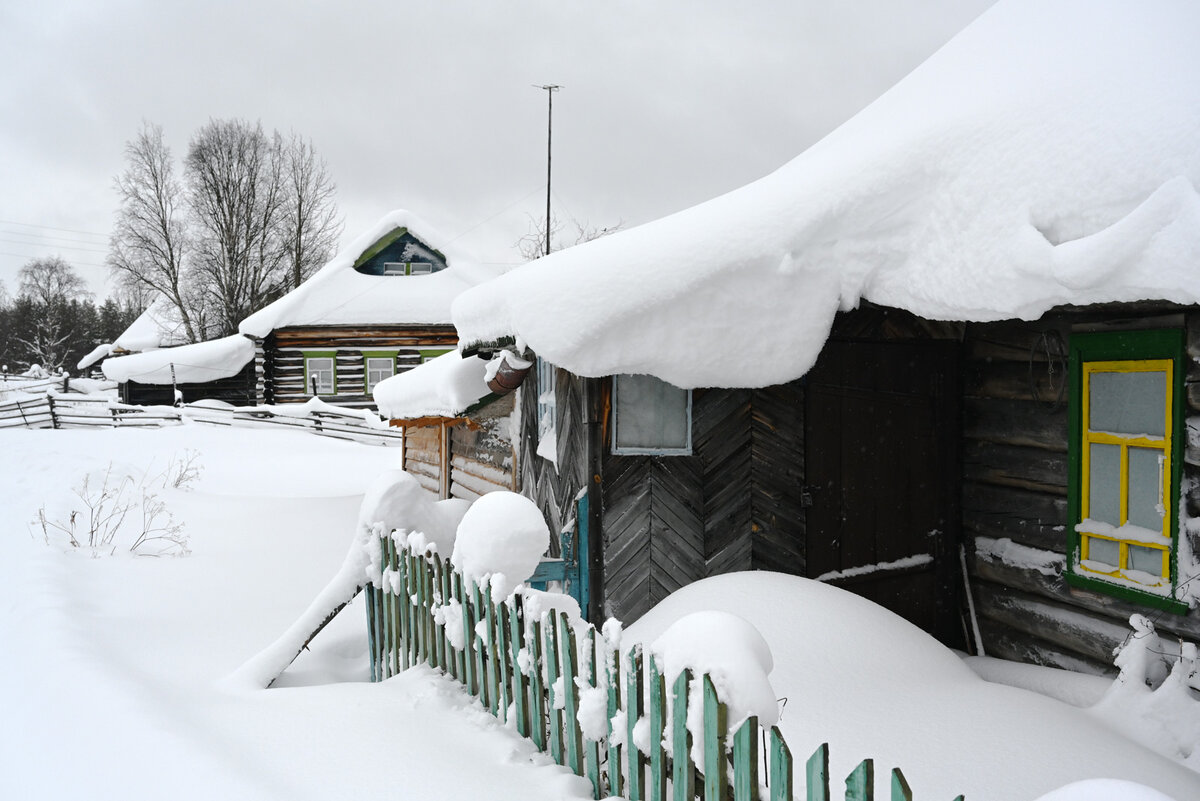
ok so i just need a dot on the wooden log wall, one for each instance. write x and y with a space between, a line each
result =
423 456
237 390
482 455
283 360
1014 492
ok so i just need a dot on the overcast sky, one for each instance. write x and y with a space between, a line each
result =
431 106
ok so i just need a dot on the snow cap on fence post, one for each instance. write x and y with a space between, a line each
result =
502 536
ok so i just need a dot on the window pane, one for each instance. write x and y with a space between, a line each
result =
651 414
320 374
1105 551
1128 403
1148 560
1144 488
1104 484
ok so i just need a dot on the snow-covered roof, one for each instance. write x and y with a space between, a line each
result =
185 364
443 387
159 326
1048 154
337 294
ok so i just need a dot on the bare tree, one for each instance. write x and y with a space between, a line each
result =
309 224
50 280
150 242
50 285
533 244
234 183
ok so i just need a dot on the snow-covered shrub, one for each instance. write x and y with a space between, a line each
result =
118 507
1151 702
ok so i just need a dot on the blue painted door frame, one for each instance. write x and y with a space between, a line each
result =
571 570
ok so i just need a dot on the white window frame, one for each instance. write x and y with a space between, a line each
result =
685 450
311 371
547 411
389 361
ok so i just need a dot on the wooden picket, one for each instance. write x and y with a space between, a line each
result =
534 669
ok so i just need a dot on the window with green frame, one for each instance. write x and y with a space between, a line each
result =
1126 426
377 365
320 372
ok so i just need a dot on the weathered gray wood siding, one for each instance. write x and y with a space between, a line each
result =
734 504
283 357
482 458
1015 492
423 456
237 390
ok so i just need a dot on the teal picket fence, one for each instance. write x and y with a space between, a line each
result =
536 671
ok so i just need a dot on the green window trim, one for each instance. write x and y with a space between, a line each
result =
432 353
309 373
1119 352
367 355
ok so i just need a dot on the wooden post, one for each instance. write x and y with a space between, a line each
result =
780 758
53 416
612 666
552 674
658 760
520 682
817 773
570 670
745 761
716 783
634 709
860 784
683 770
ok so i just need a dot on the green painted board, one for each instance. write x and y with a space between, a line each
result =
552 674
860 784
537 686
467 663
683 770
591 748
780 776
658 710
482 663
614 770
493 675
372 655
817 774
745 761
716 724
634 709
570 671
900 788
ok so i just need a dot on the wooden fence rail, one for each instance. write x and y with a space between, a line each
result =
53 410
541 673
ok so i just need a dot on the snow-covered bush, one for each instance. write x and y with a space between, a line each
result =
120 506
1152 702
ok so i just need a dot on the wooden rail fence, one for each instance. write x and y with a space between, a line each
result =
537 672
54 410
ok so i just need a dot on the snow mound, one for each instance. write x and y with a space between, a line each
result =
441 387
1105 790
397 502
502 536
732 652
185 364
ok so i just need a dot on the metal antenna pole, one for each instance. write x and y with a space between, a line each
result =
550 90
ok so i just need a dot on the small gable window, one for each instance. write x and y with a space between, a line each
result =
1125 427
320 377
650 416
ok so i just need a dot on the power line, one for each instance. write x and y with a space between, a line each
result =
52 228
73 262
44 237
49 246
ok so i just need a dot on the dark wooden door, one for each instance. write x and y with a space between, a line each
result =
881 474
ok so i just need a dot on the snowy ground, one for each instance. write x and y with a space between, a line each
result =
114 681
111 684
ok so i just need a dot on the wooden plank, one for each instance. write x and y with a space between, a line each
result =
634 709
373 656
900 788
683 770
615 766
745 761
716 725
780 769
1015 423
570 671
537 686
552 675
497 704
591 748
658 757
520 682
860 784
816 772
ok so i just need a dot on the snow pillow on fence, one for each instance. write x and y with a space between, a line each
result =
399 502
503 535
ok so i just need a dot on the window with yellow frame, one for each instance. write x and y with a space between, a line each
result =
1125 423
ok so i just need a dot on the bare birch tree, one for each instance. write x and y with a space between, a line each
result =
50 285
309 225
150 242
